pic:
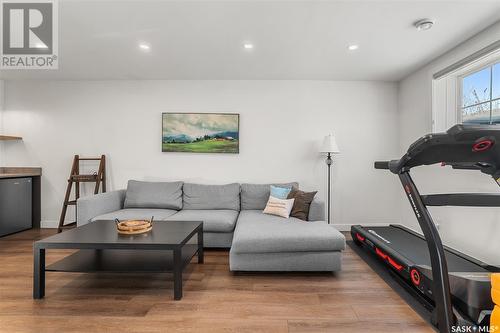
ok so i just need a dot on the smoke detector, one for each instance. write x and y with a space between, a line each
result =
424 24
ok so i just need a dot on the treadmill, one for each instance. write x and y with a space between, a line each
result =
454 286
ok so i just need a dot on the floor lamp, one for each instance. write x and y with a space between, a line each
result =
329 147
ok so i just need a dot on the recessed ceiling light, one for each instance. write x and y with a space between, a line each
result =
144 47
424 24
353 47
248 46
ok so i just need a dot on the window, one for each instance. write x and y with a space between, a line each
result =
468 91
480 96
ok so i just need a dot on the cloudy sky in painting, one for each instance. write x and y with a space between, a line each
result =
196 125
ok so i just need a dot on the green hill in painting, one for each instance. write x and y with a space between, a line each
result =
206 146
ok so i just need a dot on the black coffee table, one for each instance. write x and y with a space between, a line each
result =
102 249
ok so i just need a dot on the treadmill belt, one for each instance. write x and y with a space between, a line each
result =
415 249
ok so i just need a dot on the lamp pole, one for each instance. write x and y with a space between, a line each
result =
329 148
329 164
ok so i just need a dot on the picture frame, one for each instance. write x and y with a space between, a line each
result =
196 132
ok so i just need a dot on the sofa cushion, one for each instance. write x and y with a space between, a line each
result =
222 220
197 196
137 213
317 210
261 233
153 195
255 196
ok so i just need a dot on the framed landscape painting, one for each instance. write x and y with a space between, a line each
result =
201 132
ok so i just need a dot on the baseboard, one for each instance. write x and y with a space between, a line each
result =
50 224
347 227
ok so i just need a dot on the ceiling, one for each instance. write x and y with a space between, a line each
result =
297 40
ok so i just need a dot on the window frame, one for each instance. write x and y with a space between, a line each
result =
446 94
459 95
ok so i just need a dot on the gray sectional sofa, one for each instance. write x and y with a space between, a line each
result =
232 218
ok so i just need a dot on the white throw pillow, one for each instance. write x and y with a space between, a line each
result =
279 207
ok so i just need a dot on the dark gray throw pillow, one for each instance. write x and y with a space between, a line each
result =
301 204
166 195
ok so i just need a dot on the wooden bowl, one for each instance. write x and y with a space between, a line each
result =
133 227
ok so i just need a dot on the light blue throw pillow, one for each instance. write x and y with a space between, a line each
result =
280 192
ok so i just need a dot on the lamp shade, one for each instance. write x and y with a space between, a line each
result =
329 145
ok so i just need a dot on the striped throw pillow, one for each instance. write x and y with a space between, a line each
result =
279 207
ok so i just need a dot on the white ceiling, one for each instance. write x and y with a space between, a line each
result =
293 39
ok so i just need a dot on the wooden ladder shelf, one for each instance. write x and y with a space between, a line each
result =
99 178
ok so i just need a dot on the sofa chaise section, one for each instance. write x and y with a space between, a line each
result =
269 243
265 242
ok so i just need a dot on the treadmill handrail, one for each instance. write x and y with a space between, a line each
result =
441 283
381 165
392 165
462 199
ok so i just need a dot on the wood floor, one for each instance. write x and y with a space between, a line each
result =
215 300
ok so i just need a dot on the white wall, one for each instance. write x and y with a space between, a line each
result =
282 126
475 231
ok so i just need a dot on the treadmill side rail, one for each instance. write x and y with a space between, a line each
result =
386 252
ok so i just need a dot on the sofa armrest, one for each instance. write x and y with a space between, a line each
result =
317 210
95 205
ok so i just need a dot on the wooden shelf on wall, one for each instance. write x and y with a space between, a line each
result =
9 137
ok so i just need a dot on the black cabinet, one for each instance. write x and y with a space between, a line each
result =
15 205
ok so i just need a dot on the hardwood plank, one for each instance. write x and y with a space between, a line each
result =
386 312
98 324
324 326
279 311
357 297
236 297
